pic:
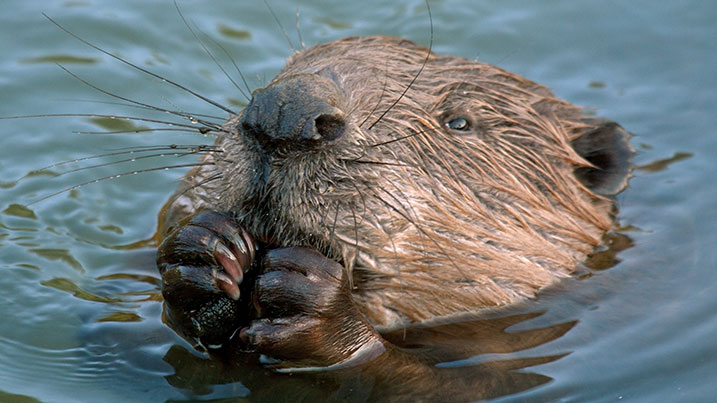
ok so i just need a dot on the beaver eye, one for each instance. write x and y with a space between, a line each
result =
459 124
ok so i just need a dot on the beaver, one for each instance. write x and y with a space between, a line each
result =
374 184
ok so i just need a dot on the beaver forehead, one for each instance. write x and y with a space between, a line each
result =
352 51
374 71
382 64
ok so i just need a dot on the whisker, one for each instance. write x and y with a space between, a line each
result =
124 151
394 164
209 53
116 176
143 70
137 131
127 105
408 136
298 28
423 65
167 146
133 159
380 98
201 130
150 107
286 34
231 59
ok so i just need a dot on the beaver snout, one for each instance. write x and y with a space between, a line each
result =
295 113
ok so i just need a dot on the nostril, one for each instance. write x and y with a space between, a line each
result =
296 113
329 127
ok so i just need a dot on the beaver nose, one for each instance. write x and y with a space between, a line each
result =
297 112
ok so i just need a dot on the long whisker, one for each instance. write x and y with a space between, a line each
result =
201 130
136 131
408 136
231 59
276 19
382 163
298 28
423 65
168 147
116 176
127 105
380 98
210 54
143 70
129 151
150 107
133 159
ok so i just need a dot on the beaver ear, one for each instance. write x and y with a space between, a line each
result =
607 147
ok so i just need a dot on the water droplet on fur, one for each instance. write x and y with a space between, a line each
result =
325 188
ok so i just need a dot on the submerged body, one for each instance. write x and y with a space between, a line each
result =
474 188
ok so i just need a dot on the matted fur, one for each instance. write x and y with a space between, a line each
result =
428 221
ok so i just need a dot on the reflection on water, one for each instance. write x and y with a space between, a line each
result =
61 59
663 164
445 370
605 256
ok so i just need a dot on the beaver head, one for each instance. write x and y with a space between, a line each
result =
442 184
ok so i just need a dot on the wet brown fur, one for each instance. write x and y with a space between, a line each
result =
428 222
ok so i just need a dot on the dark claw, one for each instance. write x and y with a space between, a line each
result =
227 284
232 235
229 261
203 265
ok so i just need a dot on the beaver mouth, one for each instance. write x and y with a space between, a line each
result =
290 234
274 240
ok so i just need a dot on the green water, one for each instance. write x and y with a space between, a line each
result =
79 299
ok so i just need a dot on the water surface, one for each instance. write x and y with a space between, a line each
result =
79 295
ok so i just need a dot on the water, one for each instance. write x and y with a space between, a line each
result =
79 295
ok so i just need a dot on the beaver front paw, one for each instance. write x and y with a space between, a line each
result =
305 314
203 264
